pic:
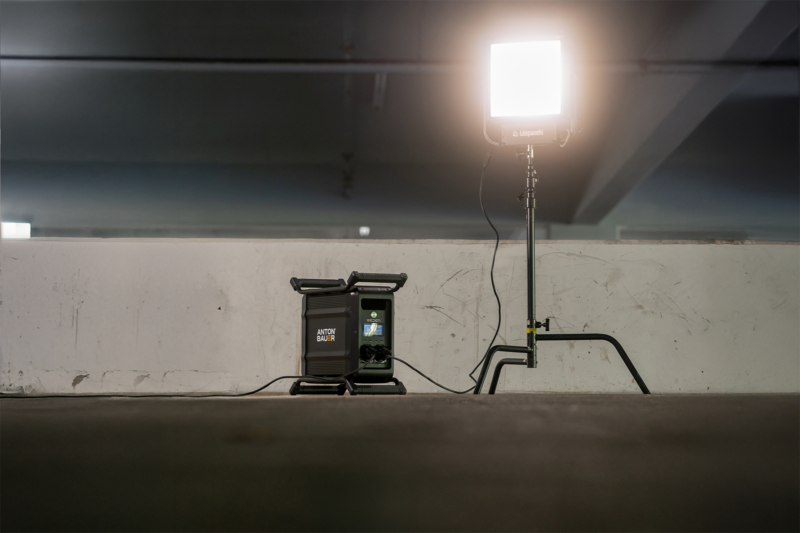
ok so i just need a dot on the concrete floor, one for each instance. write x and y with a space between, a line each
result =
419 462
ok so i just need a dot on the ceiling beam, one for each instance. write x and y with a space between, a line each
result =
661 111
371 67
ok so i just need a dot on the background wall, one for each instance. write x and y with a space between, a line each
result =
93 316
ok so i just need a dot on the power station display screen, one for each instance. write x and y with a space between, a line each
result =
371 329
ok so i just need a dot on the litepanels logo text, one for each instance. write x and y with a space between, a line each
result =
527 133
326 335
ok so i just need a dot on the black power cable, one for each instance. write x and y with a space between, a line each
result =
429 379
486 161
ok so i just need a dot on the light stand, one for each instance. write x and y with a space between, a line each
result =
527 99
532 336
532 324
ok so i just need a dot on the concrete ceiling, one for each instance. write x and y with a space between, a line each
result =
200 116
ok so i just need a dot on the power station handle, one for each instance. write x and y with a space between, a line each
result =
298 284
332 286
360 277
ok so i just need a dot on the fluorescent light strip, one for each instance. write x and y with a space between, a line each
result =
15 230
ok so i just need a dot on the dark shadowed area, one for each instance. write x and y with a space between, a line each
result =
413 463
311 119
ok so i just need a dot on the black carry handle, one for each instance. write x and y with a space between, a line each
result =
307 286
361 277
298 284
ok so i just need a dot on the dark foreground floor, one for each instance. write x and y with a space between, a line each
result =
432 463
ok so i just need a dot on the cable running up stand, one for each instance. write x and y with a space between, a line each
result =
530 360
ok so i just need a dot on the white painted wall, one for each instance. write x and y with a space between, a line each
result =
93 316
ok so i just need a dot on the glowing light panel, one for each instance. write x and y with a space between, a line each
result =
525 79
15 230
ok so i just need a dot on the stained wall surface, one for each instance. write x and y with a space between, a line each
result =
154 316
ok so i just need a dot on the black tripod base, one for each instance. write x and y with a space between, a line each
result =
552 337
339 386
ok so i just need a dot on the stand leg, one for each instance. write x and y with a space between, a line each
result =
499 368
488 361
600 337
555 337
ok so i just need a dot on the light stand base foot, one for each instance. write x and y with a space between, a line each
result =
553 337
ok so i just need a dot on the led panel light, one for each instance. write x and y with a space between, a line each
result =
525 79
15 230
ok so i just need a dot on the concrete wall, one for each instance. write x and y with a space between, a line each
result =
93 316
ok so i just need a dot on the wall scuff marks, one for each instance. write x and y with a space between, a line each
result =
166 316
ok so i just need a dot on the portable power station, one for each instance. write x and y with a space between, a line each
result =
348 335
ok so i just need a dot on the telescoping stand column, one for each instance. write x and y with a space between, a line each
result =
533 325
